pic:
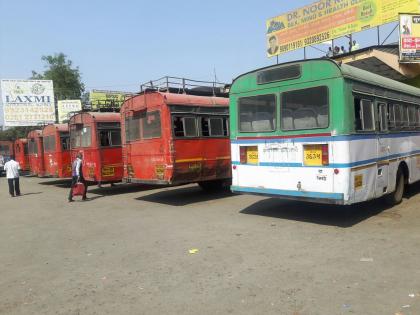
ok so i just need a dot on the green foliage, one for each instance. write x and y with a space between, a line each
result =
15 133
66 78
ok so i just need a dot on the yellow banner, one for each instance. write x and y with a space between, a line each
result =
329 19
99 98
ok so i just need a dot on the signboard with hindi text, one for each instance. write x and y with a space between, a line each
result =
66 107
329 19
27 102
410 38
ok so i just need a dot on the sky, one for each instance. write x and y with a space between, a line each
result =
118 45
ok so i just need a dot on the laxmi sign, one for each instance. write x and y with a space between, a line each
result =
27 102
329 19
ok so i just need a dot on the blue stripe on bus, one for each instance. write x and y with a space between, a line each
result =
333 165
294 193
326 138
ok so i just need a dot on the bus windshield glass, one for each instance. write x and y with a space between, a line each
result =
257 113
305 109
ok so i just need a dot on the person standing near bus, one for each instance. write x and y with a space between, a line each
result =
12 173
77 176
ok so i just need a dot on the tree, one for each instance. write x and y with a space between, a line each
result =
15 133
66 78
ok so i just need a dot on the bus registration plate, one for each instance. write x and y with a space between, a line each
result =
252 155
312 155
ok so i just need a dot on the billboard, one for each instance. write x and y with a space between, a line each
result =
100 98
329 19
410 38
65 107
27 102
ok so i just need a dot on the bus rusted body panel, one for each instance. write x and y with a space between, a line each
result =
57 150
36 153
21 153
98 137
164 154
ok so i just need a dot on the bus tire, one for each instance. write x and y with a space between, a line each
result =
215 185
396 196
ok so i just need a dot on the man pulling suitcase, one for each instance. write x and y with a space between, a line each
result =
77 178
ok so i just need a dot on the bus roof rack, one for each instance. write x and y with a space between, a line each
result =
178 85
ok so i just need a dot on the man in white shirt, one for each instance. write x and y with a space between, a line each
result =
77 176
12 173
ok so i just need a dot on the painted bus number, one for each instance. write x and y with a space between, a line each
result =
312 155
358 181
108 171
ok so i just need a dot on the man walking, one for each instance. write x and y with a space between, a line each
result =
12 173
77 176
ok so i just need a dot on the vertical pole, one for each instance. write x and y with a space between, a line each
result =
304 53
351 42
277 57
379 38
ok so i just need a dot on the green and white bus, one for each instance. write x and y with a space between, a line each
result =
324 132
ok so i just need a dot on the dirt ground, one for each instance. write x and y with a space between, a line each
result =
126 251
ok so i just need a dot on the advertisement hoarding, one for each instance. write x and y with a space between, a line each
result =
65 107
410 38
329 19
27 102
100 98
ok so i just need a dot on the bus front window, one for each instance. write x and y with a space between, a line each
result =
305 109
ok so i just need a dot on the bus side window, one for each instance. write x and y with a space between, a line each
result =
383 117
216 127
412 117
205 129
365 118
185 126
418 117
391 117
226 126
178 126
190 126
404 116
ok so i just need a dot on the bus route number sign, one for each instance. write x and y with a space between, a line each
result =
312 155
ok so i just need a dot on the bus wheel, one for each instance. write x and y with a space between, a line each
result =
396 196
214 185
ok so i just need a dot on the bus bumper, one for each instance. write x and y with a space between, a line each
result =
308 196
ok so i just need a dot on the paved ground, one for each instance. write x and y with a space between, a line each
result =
126 251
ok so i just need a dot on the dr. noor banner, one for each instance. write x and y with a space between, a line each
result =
329 19
410 38
65 109
27 102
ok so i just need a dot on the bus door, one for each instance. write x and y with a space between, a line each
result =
109 135
383 145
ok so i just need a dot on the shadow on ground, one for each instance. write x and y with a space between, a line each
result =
340 216
182 196
63 183
31 193
120 189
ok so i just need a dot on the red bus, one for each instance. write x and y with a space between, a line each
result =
97 136
36 153
6 150
21 153
57 150
173 139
